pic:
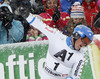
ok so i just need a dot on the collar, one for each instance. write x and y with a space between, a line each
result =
69 42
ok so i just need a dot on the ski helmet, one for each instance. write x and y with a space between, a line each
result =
83 31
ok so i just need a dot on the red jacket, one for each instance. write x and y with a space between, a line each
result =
47 17
90 10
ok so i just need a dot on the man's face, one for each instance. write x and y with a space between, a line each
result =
81 42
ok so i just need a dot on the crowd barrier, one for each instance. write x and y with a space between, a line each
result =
25 60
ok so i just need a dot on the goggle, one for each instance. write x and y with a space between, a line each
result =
86 41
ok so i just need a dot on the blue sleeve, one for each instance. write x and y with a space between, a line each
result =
17 30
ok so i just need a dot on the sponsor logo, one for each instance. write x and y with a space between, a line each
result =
77 68
11 64
49 30
54 73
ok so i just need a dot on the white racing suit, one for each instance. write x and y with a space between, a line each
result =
61 61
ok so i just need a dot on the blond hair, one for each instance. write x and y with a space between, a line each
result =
71 25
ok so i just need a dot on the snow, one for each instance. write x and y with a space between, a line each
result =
24 44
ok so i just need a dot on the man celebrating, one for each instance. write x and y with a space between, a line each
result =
64 59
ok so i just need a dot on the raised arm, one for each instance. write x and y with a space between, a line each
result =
36 21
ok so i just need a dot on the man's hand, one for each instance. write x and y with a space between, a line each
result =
56 15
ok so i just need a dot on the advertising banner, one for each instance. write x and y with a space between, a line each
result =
17 60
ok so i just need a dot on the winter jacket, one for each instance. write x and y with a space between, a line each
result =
15 33
66 4
47 17
90 11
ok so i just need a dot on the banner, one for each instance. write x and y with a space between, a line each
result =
25 60
17 60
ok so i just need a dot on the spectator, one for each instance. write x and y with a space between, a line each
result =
53 17
11 30
18 5
33 35
90 10
77 17
66 5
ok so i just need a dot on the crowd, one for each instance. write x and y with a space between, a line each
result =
71 22
53 13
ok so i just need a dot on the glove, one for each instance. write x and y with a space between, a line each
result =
56 15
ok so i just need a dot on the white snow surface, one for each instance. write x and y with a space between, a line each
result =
24 44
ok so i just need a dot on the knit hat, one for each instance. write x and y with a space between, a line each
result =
76 3
77 12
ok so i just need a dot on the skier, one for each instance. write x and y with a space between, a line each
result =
64 58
